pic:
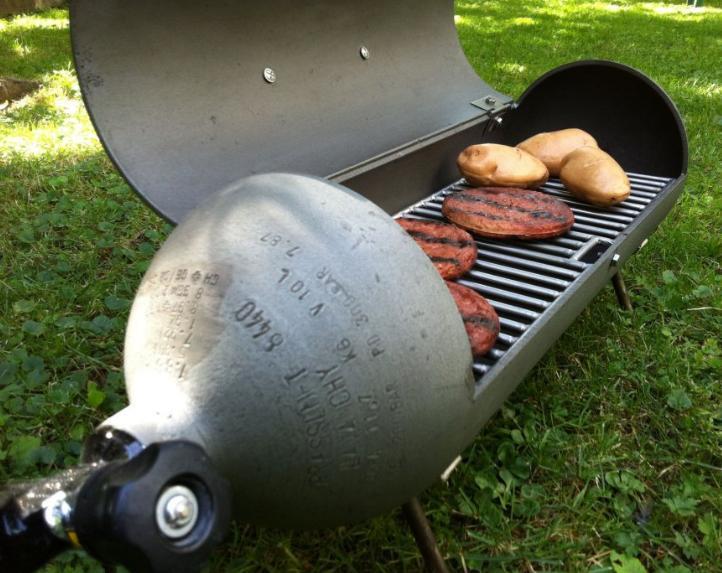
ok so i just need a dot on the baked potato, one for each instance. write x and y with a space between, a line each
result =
594 176
551 147
494 165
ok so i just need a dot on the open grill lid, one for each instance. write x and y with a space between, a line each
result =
188 98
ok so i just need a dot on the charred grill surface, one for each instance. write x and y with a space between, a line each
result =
524 279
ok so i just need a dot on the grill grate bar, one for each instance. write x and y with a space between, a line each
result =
504 309
496 353
430 213
598 231
511 325
506 339
638 190
598 221
633 200
566 241
653 185
582 237
635 196
661 181
630 210
561 251
531 254
644 189
523 274
480 369
517 299
524 287
519 262
522 279
600 215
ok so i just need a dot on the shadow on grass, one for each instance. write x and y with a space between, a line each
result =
34 45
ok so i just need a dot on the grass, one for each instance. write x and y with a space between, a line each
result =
608 457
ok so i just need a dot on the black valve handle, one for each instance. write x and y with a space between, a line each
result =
162 510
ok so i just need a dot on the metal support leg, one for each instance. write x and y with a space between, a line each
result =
414 514
622 295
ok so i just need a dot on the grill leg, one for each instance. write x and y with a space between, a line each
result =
622 295
414 514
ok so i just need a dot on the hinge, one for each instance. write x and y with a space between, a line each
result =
493 104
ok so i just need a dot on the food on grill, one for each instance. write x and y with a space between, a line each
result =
508 213
594 176
452 250
501 165
551 147
480 319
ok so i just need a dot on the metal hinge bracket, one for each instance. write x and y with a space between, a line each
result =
493 104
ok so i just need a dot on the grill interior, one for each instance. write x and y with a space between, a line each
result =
523 279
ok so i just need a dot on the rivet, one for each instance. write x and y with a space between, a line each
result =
365 53
269 75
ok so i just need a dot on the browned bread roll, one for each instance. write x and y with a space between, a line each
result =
551 147
490 164
594 176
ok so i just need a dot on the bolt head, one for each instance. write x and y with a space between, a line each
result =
176 512
269 75
490 100
365 53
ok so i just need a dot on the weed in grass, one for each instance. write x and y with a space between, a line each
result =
608 458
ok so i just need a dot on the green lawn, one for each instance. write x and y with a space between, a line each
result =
608 457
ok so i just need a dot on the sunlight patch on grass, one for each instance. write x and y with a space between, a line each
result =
524 21
67 139
50 122
21 50
511 67
34 22
704 89
679 9
32 45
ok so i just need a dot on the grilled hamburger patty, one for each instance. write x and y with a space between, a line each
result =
452 250
508 212
480 318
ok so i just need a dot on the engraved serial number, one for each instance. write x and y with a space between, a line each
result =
254 320
275 240
298 288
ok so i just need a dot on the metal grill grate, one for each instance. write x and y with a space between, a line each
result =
522 279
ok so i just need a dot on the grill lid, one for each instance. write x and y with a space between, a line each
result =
189 98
